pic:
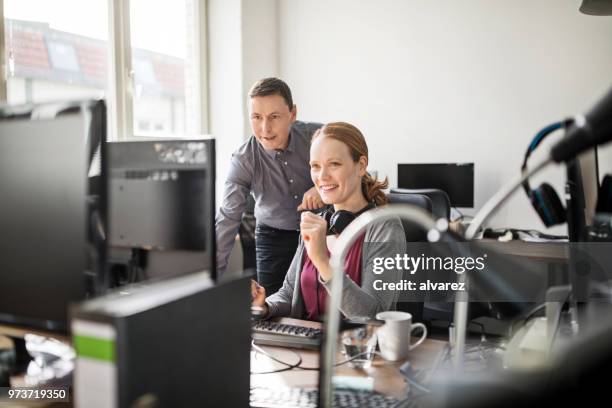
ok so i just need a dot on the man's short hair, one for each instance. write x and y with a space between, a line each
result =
272 86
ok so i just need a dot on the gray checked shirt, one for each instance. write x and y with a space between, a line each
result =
277 179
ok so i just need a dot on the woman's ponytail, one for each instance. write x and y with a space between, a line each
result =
373 189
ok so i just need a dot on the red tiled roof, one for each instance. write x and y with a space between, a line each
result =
28 48
92 59
170 74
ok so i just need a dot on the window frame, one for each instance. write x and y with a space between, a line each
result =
3 61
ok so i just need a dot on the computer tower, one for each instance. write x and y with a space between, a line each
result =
179 342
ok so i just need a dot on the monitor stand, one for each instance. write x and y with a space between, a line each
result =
534 343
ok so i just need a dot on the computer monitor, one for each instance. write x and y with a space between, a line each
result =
456 179
46 251
581 192
581 199
161 208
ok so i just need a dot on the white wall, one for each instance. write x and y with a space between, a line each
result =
259 44
242 48
226 106
446 80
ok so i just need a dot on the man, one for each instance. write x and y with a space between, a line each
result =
273 165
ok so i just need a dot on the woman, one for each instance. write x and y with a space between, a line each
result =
338 162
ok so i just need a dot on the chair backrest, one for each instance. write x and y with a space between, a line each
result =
439 200
437 203
413 233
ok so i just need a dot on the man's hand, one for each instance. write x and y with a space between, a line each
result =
311 200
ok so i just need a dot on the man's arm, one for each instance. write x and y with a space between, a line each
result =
229 216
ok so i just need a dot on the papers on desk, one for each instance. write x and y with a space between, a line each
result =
353 383
511 234
530 237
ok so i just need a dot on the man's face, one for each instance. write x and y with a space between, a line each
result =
271 121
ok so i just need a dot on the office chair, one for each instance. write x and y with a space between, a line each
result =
413 234
439 200
438 204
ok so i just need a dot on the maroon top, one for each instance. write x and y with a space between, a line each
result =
313 292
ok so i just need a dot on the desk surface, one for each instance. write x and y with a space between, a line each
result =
20 332
546 251
387 379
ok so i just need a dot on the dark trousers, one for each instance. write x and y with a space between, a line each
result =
275 249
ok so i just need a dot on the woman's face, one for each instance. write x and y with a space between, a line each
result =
335 175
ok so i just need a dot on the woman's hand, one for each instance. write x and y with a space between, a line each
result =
259 295
314 231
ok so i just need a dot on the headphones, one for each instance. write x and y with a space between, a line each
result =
337 221
544 199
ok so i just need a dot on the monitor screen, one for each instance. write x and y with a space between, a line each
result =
161 208
589 178
582 188
456 179
44 248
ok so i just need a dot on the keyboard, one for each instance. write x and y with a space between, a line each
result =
283 397
271 333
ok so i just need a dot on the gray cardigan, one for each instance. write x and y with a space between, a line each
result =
383 239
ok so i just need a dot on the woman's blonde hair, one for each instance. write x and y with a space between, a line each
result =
351 136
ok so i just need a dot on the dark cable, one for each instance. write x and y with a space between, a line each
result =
348 360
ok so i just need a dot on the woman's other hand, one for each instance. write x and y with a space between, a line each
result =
314 231
258 293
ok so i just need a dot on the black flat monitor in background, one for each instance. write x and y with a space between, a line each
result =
161 209
456 179
581 191
48 255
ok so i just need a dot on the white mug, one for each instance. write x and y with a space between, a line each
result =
394 335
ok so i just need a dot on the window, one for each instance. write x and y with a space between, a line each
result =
51 54
153 80
63 56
